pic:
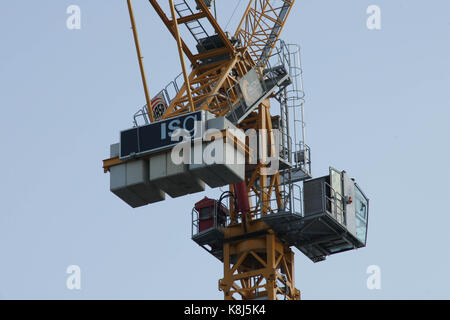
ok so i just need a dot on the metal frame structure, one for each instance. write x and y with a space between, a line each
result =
261 267
261 27
236 78
257 263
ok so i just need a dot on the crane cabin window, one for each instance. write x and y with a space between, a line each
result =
205 213
361 208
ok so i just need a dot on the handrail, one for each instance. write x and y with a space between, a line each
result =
336 201
291 200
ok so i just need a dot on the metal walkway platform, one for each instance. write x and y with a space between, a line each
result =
212 238
316 236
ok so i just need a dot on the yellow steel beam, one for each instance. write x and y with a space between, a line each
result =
201 4
256 26
141 63
180 51
192 17
170 27
210 53
276 262
108 163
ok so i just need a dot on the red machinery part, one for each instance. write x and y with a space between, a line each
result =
211 214
205 209
241 192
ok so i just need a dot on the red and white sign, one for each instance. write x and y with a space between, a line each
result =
159 106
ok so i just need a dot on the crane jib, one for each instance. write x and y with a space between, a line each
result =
275 32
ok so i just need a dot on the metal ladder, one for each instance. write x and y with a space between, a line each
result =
195 27
286 146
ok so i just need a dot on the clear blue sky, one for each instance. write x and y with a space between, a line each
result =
377 106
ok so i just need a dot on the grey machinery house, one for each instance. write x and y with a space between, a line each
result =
335 217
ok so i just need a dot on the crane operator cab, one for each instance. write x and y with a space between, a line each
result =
336 212
211 214
208 217
334 219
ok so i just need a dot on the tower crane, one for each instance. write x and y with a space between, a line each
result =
245 82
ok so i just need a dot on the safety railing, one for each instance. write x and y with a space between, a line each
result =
284 198
285 146
292 107
334 203
302 156
298 155
141 117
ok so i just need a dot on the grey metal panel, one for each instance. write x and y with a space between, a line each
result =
228 170
336 183
158 172
138 181
118 186
233 168
229 173
251 87
114 150
118 177
220 123
207 175
216 123
137 172
183 180
129 181
314 196
158 168
175 180
253 93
